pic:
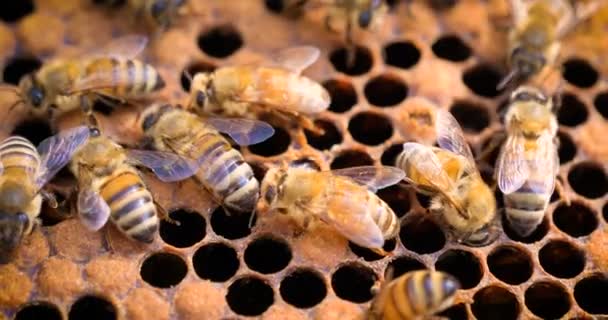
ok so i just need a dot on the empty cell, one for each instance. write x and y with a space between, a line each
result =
572 111
39 310
452 48
275 145
576 219
342 93
186 229
231 226
351 158
330 137
402 265
385 91
353 282
482 80
18 67
250 296
220 41
91 307
601 104
510 264
471 117
401 54
361 63
421 234
561 259
463 265
267 254
495 303
579 73
588 179
397 197
35 130
163 270
547 299
217 262
589 294
370 128
303 288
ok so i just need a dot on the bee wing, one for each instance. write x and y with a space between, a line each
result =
56 151
450 136
428 166
512 167
93 210
519 10
296 59
243 131
168 167
124 47
373 177
545 164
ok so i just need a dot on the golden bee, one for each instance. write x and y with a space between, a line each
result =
223 171
278 88
156 14
449 174
110 72
538 27
342 198
110 186
24 170
414 295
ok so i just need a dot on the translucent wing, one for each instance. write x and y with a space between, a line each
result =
56 151
511 165
296 59
450 136
124 47
168 167
93 211
427 168
543 165
373 177
242 131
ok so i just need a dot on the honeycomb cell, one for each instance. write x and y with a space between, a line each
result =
463 265
35 130
471 117
305 163
111 275
194 68
538 234
250 296
580 73
92 307
330 137
199 300
390 154
275 145
601 104
482 80
18 67
342 93
303 288
455 312
146 303
361 63
402 265
370 128
163 270
397 197
572 111
217 262
401 54
588 294
186 229
567 148
452 48
577 220
220 41
495 303
385 90
547 299
351 158
588 179
275 6
268 254
353 282
510 264
369 255
421 234
442 5
561 259
231 227
39 310
12 11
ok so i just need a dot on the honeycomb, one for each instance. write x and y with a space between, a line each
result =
212 266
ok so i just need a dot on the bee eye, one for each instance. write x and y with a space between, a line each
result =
36 96
94 132
149 121
270 194
200 98
158 7
365 18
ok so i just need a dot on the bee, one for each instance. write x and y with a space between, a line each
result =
154 13
236 91
24 170
63 85
414 295
342 198
110 186
449 174
539 26
223 171
528 162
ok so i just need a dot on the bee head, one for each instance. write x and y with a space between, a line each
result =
272 185
199 90
164 11
12 228
527 62
32 91
152 114
527 93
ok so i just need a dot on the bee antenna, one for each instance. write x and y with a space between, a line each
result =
507 79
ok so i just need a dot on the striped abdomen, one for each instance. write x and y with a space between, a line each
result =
19 156
125 77
383 216
526 207
131 206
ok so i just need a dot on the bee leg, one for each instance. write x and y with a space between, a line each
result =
164 214
86 103
381 252
49 197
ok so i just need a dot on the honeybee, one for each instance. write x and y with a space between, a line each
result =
63 85
342 198
539 26
414 295
449 174
24 170
155 13
279 88
528 162
110 186
223 171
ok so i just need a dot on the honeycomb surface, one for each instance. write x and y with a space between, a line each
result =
212 266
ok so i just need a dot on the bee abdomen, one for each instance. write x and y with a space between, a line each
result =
525 209
19 153
130 77
383 216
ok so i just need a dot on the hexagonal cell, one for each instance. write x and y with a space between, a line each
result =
576 219
35 130
13 11
217 262
588 179
452 48
587 294
186 229
547 299
39 310
421 234
601 104
538 234
567 148
494 302
191 70
342 93
561 259
163 270
572 111
471 117
88 305
370 128
397 197
303 288
482 80
250 296
385 90
220 41
463 265
273 146
510 264
18 67
390 154
353 282
369 255
402 265
580 73
231 227
268 254
455 312
351 158
361 63
330 137
401 54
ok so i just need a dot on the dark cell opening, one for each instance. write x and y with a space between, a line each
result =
305 163
605 211
303 288
39 310
588 179
361 64
192 70
35 130
576 220
217 262
163 270
548 300
601 104
510 264
423 200
268 254
275 145
482 80
370 128
421 234
353 282
92 308
385 91
342 93
589 294
259 170
403 265
12 11
330 136
572 111
105 106
538 234
390 154
562 259
472 117
51 216
580 73
220 41
187 229
567 148
369 255
463 265
495 303
275 6
351 158
442 5
250 296
397 197
456 312
111 3
231 227
452 48
17 67
402 54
